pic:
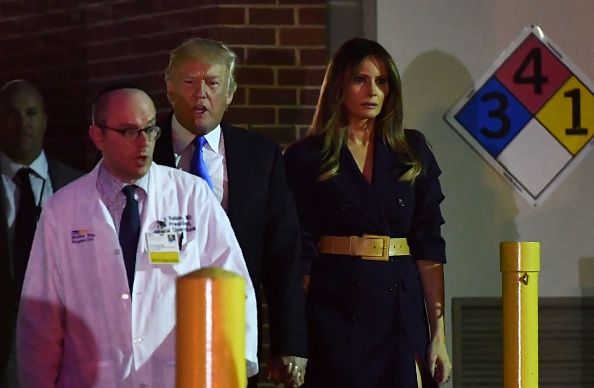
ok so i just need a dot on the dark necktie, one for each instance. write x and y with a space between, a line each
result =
198 167
24 226
129 232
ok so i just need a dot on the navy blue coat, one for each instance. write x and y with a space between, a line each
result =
366 319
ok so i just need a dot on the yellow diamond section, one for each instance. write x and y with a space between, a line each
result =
569 115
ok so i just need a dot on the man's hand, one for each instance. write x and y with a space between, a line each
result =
289 370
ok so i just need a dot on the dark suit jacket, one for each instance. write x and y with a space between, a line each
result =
366 319
263 216
60 175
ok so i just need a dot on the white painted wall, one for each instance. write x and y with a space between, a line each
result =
442 47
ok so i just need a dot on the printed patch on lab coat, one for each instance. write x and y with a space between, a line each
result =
175 224
81 235
163 247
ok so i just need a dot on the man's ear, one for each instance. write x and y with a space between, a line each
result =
96 136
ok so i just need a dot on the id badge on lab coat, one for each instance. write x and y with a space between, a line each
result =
163 248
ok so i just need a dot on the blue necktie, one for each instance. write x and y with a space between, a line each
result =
24 226
129 232
198 167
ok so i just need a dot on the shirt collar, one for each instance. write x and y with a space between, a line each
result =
182 138
9 167
111 186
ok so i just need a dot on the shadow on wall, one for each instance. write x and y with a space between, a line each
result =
586 275
480 206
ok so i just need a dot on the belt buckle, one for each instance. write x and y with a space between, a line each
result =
385 255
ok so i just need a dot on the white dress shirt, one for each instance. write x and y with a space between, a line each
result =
214 157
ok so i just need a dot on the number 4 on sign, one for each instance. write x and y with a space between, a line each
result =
537 79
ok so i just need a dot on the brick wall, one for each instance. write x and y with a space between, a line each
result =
72 49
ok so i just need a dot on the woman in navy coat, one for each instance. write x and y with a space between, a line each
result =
368 197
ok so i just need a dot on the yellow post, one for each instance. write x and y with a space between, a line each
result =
210 333
520 265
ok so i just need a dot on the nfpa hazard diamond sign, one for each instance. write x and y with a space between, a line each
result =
531 116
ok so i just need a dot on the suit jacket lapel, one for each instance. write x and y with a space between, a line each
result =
239 172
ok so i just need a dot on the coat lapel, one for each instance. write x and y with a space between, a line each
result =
375 201
352 184
387 168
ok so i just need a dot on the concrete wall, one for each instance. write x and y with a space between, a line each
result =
442 48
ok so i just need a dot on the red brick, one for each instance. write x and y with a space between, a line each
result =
312 16
246 115
255 76
241 53
10 27
306 36
20 7
96 12
304 77
63 19
271 16
242 2
231 15
141 65
239 98
309 96
131 8
312 57
272 96
296 115
252 35
270 56
301 2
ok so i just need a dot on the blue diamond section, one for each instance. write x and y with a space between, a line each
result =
493 116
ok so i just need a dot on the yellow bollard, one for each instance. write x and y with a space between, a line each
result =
210 333
520 265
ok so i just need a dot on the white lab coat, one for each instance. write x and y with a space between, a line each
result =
78 325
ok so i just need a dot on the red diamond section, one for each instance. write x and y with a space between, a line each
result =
532 73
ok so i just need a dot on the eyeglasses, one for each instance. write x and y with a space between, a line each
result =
152 132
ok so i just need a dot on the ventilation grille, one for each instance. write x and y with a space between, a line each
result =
566 342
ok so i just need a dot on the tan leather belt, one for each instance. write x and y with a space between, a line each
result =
369 247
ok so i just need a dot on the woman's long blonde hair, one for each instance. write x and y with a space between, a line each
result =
331 119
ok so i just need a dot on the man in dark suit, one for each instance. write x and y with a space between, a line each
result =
247 175
27 178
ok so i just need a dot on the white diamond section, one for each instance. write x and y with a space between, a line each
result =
534 158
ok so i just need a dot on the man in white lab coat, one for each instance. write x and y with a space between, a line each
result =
89 316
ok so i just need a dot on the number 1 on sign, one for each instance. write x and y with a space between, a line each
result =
576 113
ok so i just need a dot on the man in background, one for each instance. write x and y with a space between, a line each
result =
247 175
28 178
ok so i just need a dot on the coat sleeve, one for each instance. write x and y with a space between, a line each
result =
41 317
221 249
425 239
301 182
281 278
